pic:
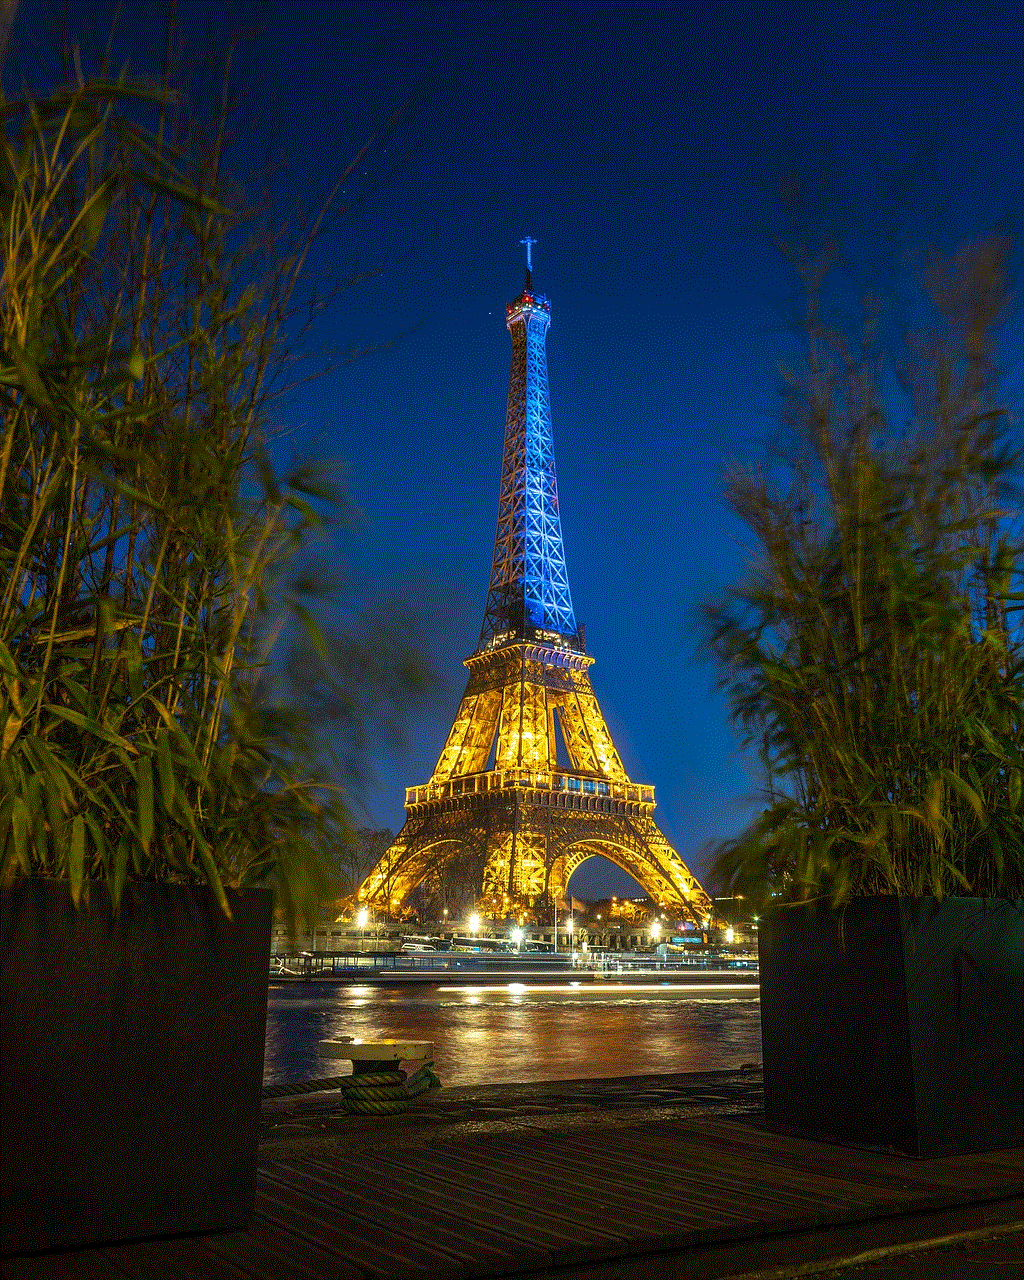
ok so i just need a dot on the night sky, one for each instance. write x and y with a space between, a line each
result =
641 145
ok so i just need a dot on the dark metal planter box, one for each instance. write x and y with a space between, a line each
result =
131 1062
897 1023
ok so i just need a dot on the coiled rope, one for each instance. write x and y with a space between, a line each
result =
372 1093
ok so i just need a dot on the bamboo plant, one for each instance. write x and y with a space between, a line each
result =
874 654
150 551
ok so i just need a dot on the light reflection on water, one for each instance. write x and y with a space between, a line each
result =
494 1035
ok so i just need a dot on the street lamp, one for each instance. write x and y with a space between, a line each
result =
655 931
517 938
362 917
474 923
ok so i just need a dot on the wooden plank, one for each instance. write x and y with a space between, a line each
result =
185 1258
582 1237
757 1153
708 1190
605 1201
478 1202
639 1195
407 1213
747 1172
602 1232
370 1246
78 1264
265 1252
826 1182
880 1162
642 1186
880 1169
660 1162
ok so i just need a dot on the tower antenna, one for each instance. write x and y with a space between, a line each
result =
529 242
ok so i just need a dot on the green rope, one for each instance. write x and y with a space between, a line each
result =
390 1093
370 1093
422 1080
356 1107
374 1079
305 1086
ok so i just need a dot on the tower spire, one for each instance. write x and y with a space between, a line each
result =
528 597
529 242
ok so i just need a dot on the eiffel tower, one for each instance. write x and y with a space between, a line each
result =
529 784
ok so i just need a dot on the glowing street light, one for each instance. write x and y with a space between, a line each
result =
474 923
362 917
517 938
656 930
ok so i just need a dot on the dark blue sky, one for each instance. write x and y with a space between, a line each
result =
640 144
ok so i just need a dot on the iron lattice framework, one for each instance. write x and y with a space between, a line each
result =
529 784
528 596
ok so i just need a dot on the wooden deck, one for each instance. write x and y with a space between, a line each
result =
597 1203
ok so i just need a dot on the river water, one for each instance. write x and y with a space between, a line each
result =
488 1035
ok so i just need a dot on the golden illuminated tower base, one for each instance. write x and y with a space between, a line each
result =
528 786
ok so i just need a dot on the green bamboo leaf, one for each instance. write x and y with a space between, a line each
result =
185 752
91 725
133 664
52 767
99 838
6 845
56 813
28 378
144 783
1013 789
165 768
213 876
7 664
96 212
997 850
313 632
32 793
76 857
968 793
21 822
11 727
121 854
178 191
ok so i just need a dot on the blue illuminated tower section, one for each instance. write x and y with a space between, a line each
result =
528 596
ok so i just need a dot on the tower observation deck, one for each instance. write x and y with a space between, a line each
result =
529 784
